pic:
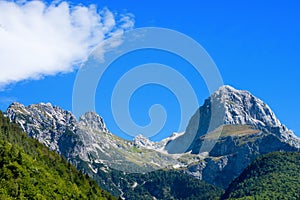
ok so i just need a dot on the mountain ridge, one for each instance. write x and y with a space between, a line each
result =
243 128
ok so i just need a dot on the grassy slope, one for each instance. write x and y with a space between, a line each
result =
231 130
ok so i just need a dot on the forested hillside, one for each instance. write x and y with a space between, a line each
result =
273 176
168 184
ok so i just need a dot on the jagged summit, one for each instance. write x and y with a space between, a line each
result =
42 121
49 124
51 114
241 107
93 120
230 89
15 104
226 88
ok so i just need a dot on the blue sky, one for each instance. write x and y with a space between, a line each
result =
255 46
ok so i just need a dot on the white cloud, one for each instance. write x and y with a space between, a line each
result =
38 39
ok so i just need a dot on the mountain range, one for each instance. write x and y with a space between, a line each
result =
226 134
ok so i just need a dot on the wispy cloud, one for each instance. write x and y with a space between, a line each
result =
38 39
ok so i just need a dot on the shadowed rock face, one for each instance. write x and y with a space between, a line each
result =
225 135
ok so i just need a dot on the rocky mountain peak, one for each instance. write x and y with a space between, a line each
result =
227 89
241 107
229 106
42 121
16 104
93 120
44 112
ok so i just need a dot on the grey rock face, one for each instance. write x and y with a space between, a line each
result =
93 121
241 107
44 122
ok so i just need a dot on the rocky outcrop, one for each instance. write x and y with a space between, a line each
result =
44 122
